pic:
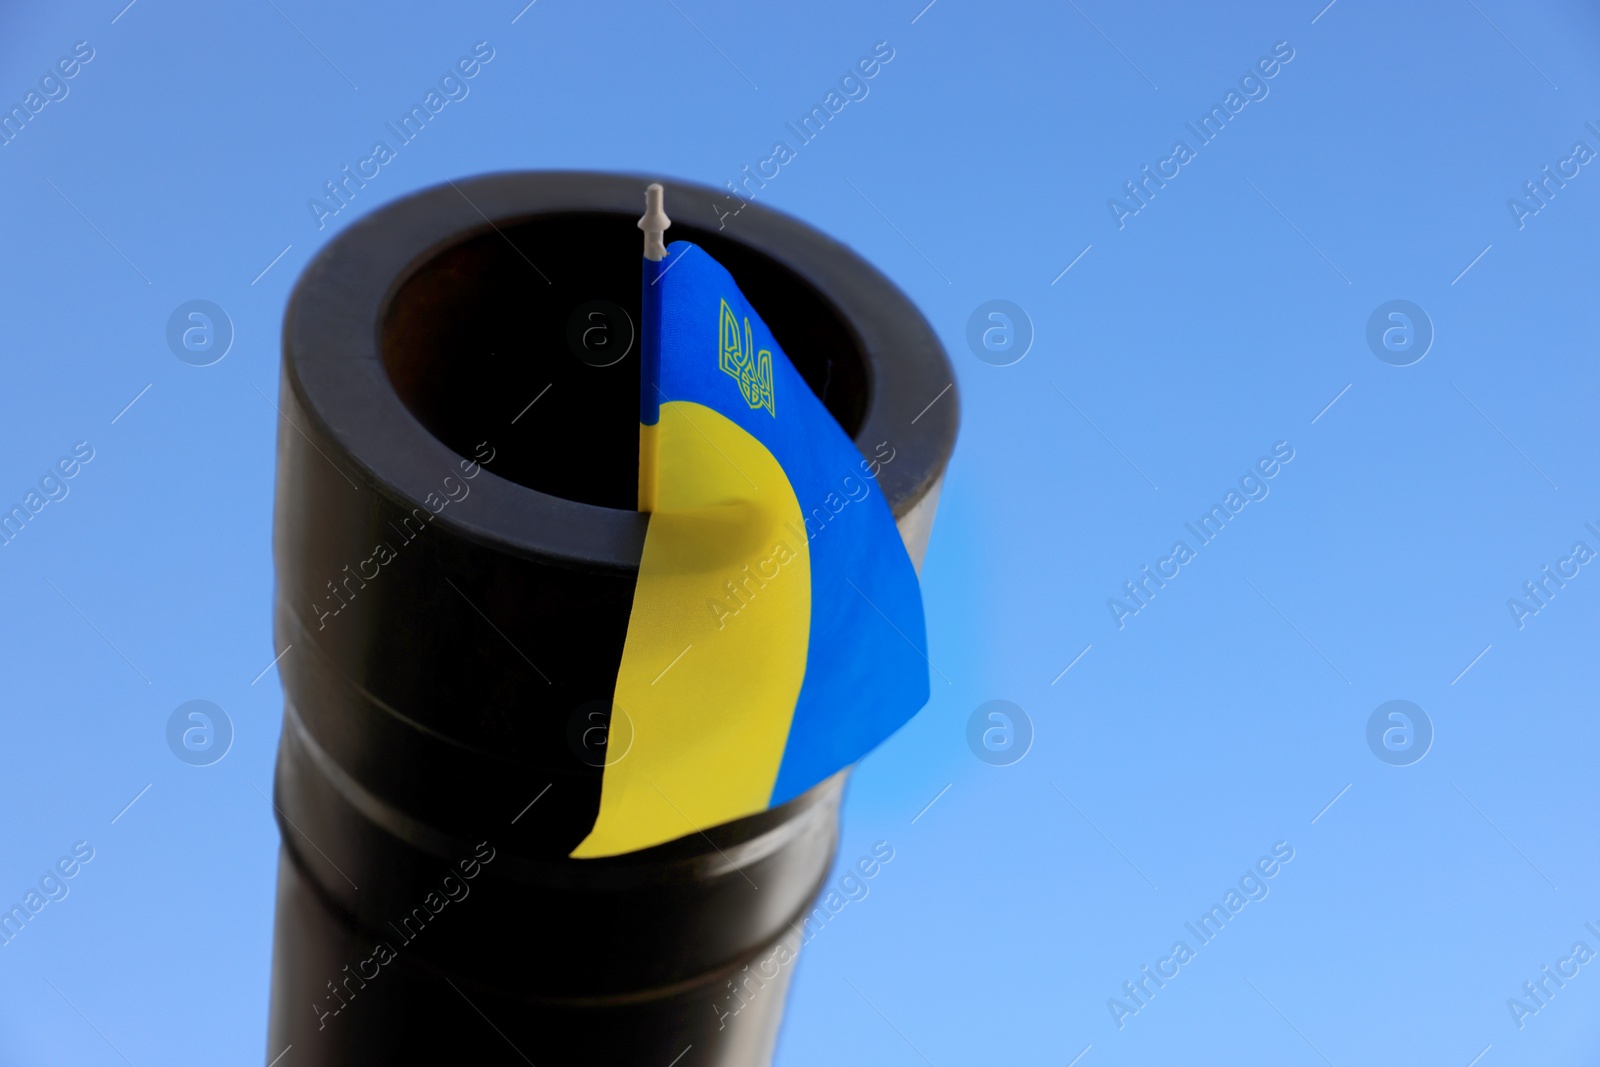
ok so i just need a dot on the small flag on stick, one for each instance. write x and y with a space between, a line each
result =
777 633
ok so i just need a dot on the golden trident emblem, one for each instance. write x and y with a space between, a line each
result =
741 362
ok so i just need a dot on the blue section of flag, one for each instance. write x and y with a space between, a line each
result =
866 672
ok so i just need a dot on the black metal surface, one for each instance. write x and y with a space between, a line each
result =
455 570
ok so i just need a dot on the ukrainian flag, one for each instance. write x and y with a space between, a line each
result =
777 632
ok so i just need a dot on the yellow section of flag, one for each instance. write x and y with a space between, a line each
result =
724 582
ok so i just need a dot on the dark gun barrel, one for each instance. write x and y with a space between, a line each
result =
456 549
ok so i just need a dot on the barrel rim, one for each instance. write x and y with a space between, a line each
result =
332 356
